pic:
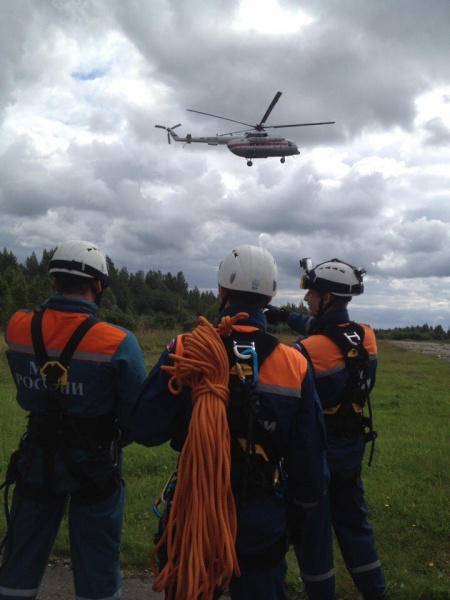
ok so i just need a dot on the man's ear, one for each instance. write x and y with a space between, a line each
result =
328 297
222 293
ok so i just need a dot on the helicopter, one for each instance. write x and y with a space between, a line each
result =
248 143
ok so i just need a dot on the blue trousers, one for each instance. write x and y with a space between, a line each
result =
95 534
260 584
343 509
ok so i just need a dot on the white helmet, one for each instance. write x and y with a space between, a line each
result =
249 269
336 277
79 258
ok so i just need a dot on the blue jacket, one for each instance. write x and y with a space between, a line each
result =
288 405
105 375
345 455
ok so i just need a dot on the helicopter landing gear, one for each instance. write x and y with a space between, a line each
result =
282 160
249 163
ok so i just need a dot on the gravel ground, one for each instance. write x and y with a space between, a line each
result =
437 349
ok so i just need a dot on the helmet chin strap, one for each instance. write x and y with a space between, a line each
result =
224 299
97 294
98 298
324 307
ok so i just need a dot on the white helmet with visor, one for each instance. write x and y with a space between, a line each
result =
334 276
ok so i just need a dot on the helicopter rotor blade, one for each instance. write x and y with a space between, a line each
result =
217 117
164 127
269 110
300 125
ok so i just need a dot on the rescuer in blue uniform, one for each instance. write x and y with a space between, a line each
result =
288 410
331 285
79 420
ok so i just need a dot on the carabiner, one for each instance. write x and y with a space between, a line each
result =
166 492
254 355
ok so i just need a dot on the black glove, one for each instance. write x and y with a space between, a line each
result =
276 315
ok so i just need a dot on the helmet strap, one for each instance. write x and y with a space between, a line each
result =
97 289
223 294
323 308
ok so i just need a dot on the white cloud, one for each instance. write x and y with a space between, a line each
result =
268 17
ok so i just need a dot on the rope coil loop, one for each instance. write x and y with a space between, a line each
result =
201 530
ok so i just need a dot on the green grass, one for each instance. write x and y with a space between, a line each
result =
407 485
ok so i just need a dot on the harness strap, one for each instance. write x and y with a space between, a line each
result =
350 340
55 425
71 346
259 446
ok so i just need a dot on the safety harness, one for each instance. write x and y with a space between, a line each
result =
56 432
346 417
255 451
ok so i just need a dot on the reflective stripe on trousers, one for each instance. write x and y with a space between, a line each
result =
316 578
364 568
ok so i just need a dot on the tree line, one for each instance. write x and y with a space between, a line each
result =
419 333
152 300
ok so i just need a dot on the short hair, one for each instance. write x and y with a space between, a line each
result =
238 297
341 300
65 283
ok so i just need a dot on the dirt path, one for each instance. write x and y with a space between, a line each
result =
58 584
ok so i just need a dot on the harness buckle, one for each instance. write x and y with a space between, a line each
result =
245 346
54 375
353 338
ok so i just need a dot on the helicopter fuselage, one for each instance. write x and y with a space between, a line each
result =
252 145
262 146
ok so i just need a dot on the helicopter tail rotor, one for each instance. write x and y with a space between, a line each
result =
168 129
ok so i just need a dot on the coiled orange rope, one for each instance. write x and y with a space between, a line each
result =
202 525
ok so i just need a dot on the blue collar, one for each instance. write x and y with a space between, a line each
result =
71 304
255 317
335 316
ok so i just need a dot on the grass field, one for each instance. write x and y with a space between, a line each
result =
407 485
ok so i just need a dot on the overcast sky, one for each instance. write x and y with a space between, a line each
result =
83 83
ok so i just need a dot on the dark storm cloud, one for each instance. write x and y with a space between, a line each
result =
83 84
